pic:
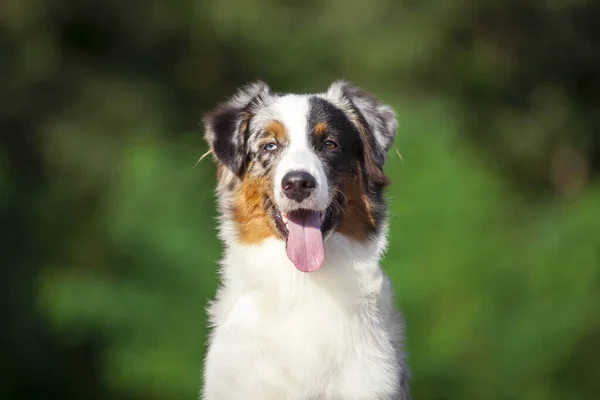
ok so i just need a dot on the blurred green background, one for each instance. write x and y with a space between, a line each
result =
108 242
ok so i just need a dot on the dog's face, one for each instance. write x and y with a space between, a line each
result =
298 167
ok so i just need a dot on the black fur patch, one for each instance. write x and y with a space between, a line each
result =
226 127
341 163
228 123
339 129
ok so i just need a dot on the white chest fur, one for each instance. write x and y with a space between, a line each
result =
282 334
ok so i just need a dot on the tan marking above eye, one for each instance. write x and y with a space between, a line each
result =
277 130
321 128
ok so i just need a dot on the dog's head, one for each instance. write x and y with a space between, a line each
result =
299 167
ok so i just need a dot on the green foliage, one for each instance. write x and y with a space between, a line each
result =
109 241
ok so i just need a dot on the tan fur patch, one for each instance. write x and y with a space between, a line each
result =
278 130
252 194
321 128
245 120
373 171
254 222
358 215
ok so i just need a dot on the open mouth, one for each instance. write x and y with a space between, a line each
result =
304 232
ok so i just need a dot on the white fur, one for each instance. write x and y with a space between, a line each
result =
292 111
283 334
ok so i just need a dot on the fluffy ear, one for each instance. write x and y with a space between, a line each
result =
375 118
225 127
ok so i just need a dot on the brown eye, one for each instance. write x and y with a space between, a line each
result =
330 145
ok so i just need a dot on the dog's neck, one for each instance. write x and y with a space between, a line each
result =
351 268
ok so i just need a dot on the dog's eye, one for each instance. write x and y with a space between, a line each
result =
270 146
330 145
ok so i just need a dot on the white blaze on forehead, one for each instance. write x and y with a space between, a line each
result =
294 112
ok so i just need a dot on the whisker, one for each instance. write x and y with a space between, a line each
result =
269 203
342 193
338 206
399 155
202 157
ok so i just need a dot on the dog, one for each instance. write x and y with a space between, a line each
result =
303 311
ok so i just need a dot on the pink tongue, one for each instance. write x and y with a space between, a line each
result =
305 246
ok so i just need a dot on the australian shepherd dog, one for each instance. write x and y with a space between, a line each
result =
303 311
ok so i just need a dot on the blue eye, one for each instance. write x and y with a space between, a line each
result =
270 146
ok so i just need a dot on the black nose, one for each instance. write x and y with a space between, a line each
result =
298 185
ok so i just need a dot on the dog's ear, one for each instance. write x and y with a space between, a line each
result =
226 126
376 122
377 119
